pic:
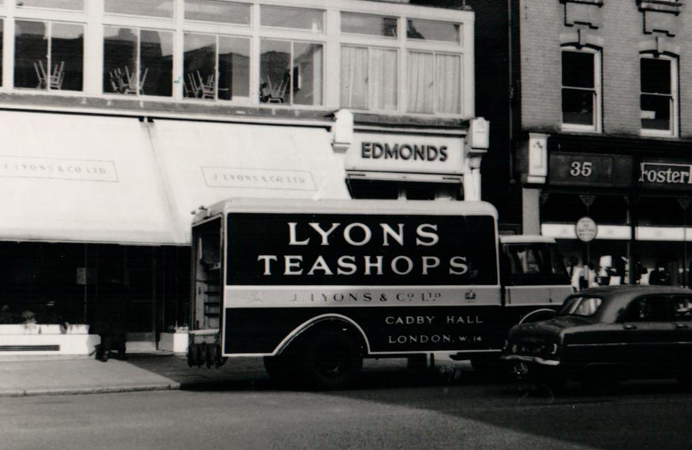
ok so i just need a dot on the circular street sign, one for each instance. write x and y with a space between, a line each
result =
586 229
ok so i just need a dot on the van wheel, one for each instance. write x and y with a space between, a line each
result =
282 369
332 361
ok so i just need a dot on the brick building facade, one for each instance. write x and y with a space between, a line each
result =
590 106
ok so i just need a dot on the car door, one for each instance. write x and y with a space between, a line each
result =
649 336
682 319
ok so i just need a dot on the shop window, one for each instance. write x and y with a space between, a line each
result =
434 83
292 18
658 98
138 62
70 5
218 11
49 56
149 8
368 24
216 67
369 78
432 30
581 89
373 189
291 72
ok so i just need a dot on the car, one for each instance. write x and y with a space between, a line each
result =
605 334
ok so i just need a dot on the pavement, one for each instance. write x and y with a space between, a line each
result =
154 371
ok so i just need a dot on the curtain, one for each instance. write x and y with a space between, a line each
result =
384 79
421 82
448 84
354 77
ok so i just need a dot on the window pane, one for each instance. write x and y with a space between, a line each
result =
421 82
275 64
578 69
656 112
150 8
655 76
354 77
222 12
199 66
120 60
67 57
306 76
384 80
156 63
431 30
448 75
577 107
296 18
73 5
368 24
30 54
234 68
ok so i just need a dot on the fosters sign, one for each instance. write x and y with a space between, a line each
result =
666 175
405 153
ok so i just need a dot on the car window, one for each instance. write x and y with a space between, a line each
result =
682 308
650 309
581 306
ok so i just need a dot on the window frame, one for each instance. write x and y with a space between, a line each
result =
674 129
49 53
597 126
95 20
216 100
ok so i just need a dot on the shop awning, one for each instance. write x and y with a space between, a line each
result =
71 178
203 162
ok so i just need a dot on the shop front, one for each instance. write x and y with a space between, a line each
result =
619 209
98 208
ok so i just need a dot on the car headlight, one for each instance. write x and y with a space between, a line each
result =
553 349
505 345
514 348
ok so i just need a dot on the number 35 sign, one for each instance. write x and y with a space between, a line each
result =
581 169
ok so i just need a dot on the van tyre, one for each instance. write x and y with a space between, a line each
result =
331 361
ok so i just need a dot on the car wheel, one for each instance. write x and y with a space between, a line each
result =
331 360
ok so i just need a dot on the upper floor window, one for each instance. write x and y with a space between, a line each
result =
581 86
291 72
48 55
433 30
216 67
138 61
218 11
293 18
369 24
369 78
149 8
434 83
70 5
658 100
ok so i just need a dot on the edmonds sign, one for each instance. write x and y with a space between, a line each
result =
405 153
662 175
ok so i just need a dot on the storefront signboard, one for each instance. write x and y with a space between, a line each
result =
665 175
586 229
577 169
405 153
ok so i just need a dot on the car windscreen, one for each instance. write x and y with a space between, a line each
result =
581 306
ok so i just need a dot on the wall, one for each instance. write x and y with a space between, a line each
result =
621 31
